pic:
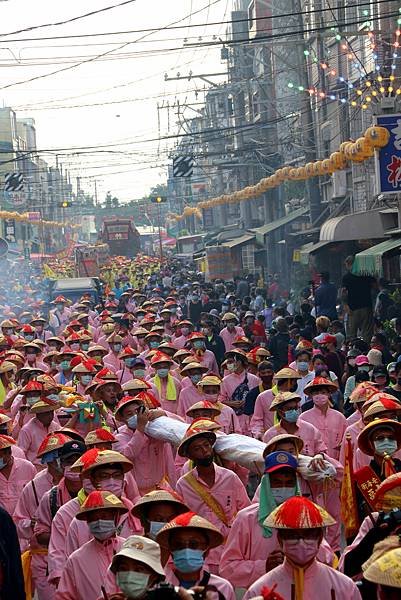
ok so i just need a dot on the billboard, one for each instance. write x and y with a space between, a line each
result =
388 159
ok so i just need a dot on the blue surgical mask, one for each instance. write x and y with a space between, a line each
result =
32 400
195 378
139 373
188 560
154 344
155 527
386 446
102 529
86 379
132 583
65 365
199 344
29 338
53 397
292 415
60 306
2 463
302 365
117 347
132 422
162 372
84 347
129 361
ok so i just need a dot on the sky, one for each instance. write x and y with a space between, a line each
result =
120 90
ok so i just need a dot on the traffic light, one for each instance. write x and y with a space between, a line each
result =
65 204
158 199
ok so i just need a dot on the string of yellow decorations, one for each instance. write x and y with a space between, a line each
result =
25 218
359 151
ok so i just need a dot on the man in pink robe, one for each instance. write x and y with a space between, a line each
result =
217 483
300 525
231 330
14 474
33 433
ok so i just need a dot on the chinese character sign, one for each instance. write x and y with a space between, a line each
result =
388 163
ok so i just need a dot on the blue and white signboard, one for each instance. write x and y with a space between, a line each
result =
388 162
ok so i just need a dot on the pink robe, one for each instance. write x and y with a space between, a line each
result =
32 435
222 585
22 471
331 426
231 494
354 430
58 536
229 336
311 437
208 360
262 418
188 396
246 549
319 580
153 460
179 342
86 570
170 405
228 386
356 415
112 362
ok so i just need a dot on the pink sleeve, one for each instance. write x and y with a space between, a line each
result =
224 395
257 420
319 444
57 555
242 497
131 488
72 541
43 516
233 565
24 440
110 584
67 588
23 512
133 449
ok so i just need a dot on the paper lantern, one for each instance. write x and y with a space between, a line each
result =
309 169
377 136
327 167
339 161
364 147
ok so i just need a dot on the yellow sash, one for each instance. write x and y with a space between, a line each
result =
26 560
171 392
207 497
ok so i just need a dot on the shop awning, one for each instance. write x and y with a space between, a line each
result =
308 249
244 239
262 232
369 262
356 226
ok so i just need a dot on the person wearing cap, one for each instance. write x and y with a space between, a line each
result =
106 395
211 491
183 331
262 419
213 341
168 387
83 374
86 568
287 406
32 353
209 386
60 316
231 330
157 508
333 358
197 341
152 459
236 384
49 504
383 571
33 432
300 525
377 526
134 570
190 540
190 393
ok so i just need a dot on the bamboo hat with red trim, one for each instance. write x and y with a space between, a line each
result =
203 405
298 513
380 406
6 441
193 521
160 357
94 458
98 436
271 446
100 500
53 441
388 494
159 496
320 382
363 392
197 429
364 441
136 385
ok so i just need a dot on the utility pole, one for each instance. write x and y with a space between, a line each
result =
159 219
96 200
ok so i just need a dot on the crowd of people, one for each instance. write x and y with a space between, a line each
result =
176 437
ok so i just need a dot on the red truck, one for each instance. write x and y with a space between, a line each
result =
122 237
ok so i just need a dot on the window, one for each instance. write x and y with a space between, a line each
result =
251 14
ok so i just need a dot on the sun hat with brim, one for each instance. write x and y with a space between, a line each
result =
380 406
385 570
276 461
283 437
128 352
4 419
140 331
100 500
142 550
103 382
192 366
59 300
55 339
209 380
67 352
48 382
388 494
190 359
298 513
158 496
237 354
160 357
6 441
32 345
52 442
42 406
318 383
50 356
282 398
363 392
7 323
229 316
241 340
99 436
325 338
94 458
286 373
124 402
194 431
153 334
148 399
86 366
193 521
203 405
7 366
136 385
363 439
96 348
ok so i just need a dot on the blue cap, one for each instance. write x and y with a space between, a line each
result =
280 460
